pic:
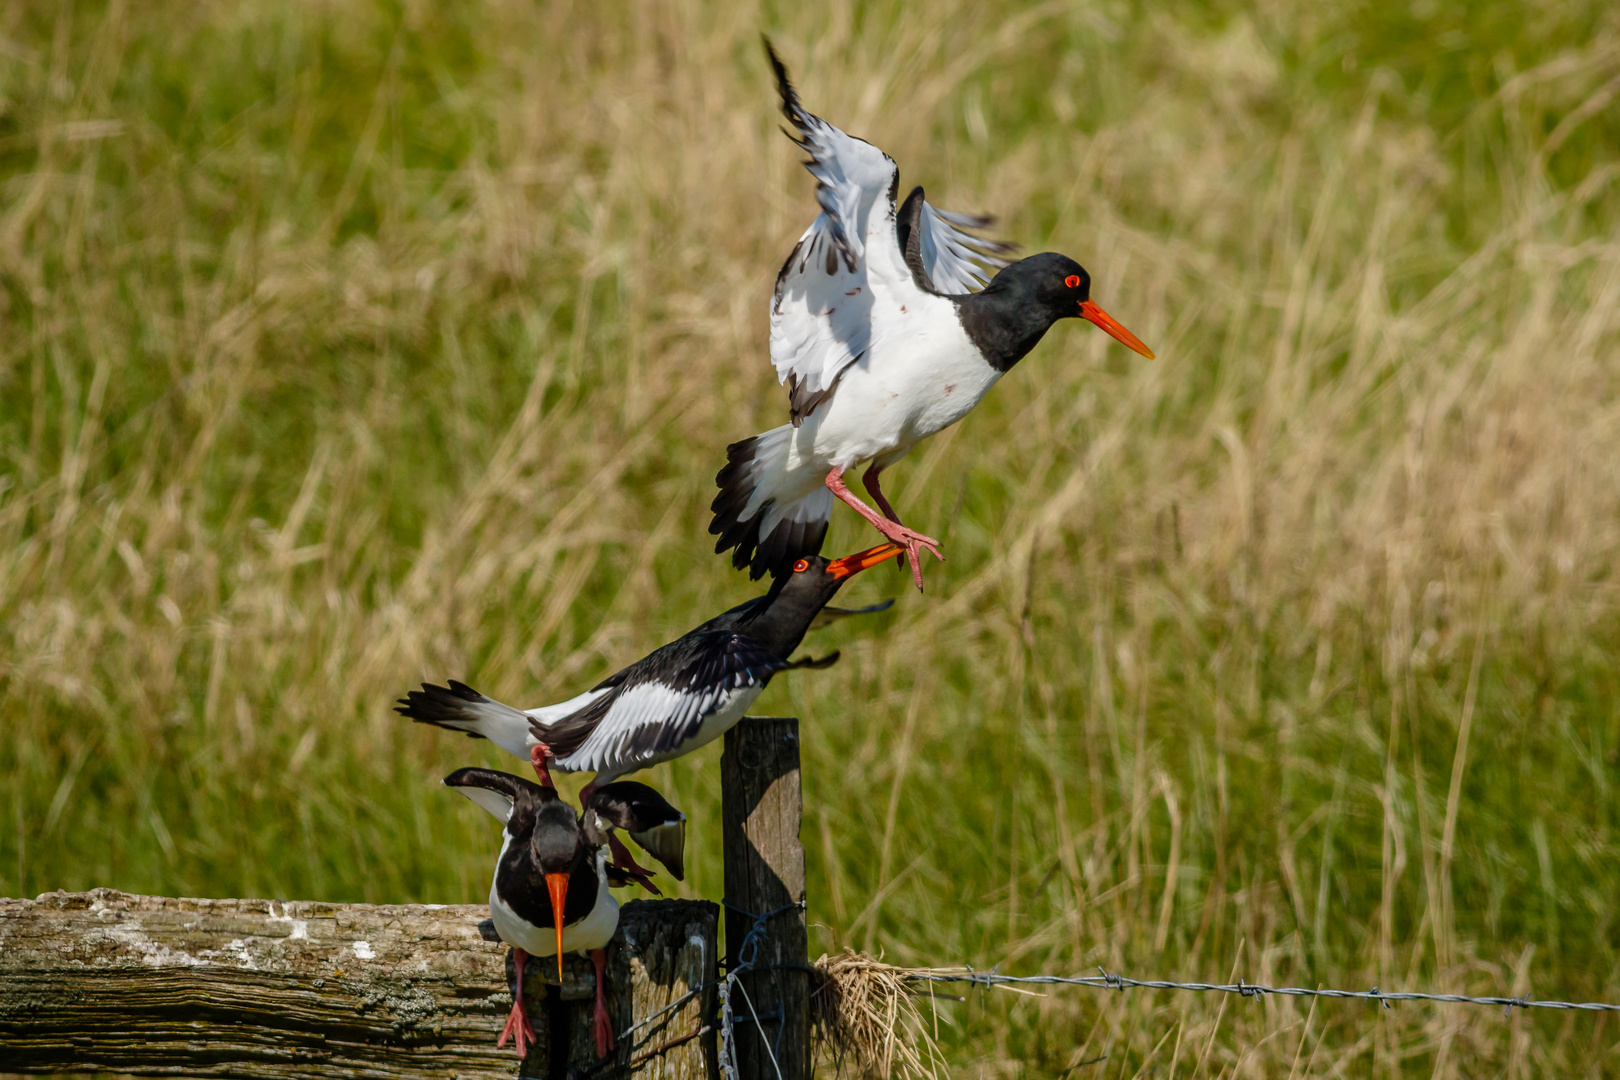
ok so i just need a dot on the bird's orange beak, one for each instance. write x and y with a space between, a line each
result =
863 560
1098 317
557 885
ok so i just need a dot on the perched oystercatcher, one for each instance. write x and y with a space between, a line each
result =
882 342
548 850
671 701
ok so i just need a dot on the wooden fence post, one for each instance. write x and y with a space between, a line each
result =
764 873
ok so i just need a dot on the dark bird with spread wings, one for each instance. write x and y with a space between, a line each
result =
671 701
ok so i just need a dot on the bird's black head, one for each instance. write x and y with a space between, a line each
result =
818 579
557 839
1016 309
1050 282
799 593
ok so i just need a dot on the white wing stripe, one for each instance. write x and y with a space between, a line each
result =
652 709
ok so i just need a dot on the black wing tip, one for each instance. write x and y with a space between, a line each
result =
784 85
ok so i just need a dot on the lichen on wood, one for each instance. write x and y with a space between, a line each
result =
106 980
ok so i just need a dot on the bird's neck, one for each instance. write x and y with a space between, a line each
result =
1003 326
782 625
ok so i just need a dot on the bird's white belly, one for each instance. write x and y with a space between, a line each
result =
591 932
899 396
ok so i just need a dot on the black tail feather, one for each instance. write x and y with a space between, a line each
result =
789 541
440 706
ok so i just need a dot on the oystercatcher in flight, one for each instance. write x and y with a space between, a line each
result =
671 701
549 850
882 341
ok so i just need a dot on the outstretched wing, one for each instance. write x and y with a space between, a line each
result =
956 261
821 312
496 792
829 614
647 715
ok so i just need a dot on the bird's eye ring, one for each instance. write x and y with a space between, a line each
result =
801 566
1072 281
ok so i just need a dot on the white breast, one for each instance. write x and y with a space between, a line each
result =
591 932
923 374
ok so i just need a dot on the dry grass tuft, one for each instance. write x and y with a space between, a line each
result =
867 1016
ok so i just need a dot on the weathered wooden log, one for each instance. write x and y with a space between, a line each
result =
253 988
764 875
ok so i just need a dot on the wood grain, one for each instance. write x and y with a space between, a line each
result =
106 980
764 872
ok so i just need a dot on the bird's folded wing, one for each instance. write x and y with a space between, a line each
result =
645 717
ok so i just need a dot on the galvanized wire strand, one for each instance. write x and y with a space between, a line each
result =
747 960
1106 980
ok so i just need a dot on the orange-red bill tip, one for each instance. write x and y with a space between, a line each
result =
1098 317
864 560
557 885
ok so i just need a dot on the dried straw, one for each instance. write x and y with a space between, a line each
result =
866 1014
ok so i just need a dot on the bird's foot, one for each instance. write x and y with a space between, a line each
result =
915 543
627 865
517 1029
538 753
601 1026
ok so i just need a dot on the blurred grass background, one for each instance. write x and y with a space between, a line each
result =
348 345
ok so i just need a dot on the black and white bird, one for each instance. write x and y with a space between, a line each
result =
549 893
882 340
657 827
670 702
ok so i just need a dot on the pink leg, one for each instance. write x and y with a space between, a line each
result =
517 1021
914 541
627 862
537 757
869 480
601 1026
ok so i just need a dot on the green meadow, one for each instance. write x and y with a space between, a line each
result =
349 345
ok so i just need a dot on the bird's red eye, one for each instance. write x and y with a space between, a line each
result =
801 566
1072 281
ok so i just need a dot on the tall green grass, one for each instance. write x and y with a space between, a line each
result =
345 346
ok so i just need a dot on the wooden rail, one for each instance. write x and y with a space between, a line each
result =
106 980
273 990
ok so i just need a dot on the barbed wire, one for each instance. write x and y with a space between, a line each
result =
1106 980
747 960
